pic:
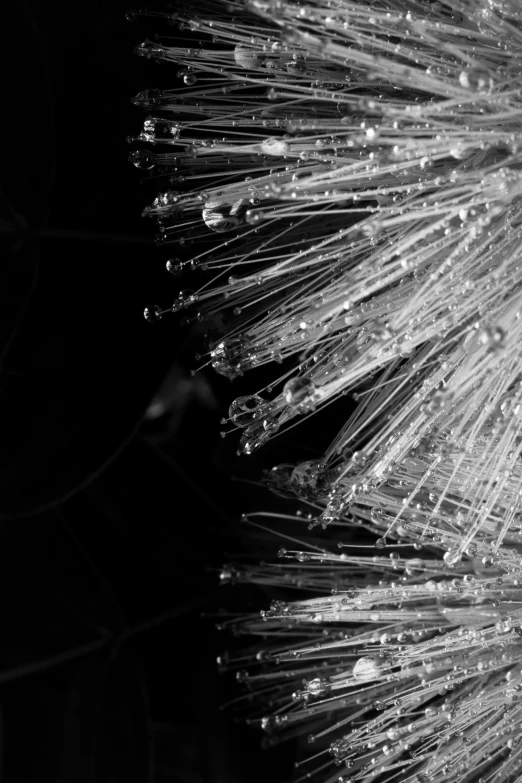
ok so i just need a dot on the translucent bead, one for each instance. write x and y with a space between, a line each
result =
271 425
148 98
476 79
167 199
152 314
317 686
366 669
248 58
275 146
267 724
296 67
142 159
299 392
378 515
244 410
157 130
413 565
187 297
307 480
493 337
149 50
452 557
254 216
252 441
231 357
174 266
220 215
228 575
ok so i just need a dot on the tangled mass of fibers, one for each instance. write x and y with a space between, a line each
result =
349 175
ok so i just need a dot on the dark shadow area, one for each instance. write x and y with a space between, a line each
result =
113 527
118 498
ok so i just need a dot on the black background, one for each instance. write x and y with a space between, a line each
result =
106 525
112 527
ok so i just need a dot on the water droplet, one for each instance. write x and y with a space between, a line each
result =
148 98
157 130
149 50
228 575
493 337
476 79
452 557
296 67
152 314
307 480
366 669
271 425
142 159
220 215
275 146
187 297
299 393
244 410
174 266
267 724
247 57
318 686
231 357
167 199
413 565
252 441
378 515
254 216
